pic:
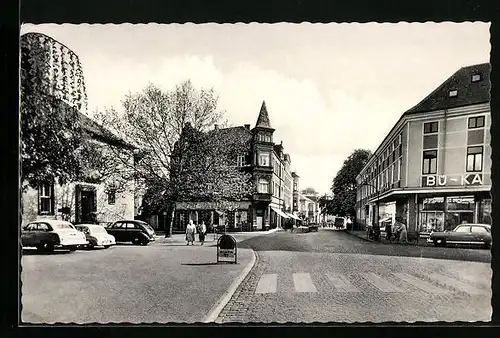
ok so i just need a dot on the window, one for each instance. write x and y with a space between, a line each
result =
43 227
240 160
476 122
463 229
111 197
479 229
474 159
431 127
263 186
46 199
264 159
476 77
453 93
429 162
131 226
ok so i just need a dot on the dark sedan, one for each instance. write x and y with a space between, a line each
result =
135 231
469 234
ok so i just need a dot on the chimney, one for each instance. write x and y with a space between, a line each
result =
247 126
216 126
281 144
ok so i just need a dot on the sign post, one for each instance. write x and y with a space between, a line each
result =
227 249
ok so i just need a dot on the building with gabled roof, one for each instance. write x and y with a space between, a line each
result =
270 205
433 169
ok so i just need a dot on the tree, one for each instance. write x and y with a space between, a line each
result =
344 184
180 157
309 191
52 93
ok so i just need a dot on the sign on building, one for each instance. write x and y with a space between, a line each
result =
452 180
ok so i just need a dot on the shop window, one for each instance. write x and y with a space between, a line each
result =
474 159
431 127
485 212
429 165
460 203
476 122
46 199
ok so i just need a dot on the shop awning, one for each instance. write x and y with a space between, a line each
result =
281 213
293 216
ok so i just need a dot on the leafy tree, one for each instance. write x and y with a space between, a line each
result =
181 158
52 93
309 191
344 184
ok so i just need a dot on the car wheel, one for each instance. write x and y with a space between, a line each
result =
136 241
144 242
45 247
487 245
107 246
438 242
90 245
72 248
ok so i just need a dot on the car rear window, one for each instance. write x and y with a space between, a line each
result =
62 226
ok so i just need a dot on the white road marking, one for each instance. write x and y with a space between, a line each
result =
267 283
303 282
380 283
456 284
420 284
341 283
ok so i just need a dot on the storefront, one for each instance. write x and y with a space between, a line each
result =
441 213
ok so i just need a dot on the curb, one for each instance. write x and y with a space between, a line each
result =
226 297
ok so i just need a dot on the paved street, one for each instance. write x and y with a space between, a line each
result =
333 276
163 282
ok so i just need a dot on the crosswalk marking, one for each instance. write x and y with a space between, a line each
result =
420 284
380 283
267 283
454 283
341 283
303 282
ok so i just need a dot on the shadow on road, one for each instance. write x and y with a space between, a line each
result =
203 264
30 252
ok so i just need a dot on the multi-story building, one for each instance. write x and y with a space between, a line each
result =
82 201
309 210
433 168
272 200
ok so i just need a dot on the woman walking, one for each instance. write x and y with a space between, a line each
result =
190 232
202 232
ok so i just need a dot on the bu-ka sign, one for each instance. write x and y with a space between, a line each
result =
447 180
227 250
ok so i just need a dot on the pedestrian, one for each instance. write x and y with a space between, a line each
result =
190 232
388 231
202 231
403 234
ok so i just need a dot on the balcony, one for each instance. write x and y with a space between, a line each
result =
264 197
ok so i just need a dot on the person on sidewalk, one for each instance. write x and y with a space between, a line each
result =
190 232
202 231
403 234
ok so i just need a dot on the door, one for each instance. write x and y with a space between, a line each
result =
132 231
462 234
118 230
88 199
480 234
27 235
259 222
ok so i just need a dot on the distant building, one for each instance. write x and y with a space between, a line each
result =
433 168
272 201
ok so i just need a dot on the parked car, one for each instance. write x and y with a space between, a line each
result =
313 227
96 235
135 231
46 235
476 234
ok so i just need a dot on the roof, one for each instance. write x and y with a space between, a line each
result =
263 119
240 131
468 92
99 132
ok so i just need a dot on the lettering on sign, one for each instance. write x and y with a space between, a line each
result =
227 253
444 180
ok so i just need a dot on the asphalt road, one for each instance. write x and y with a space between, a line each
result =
333 276
162 282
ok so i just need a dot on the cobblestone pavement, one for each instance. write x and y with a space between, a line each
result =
298 286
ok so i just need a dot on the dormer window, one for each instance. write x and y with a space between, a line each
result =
476 77
453 93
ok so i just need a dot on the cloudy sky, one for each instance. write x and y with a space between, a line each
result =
329 88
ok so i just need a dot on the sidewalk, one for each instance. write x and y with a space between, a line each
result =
362 234
180 239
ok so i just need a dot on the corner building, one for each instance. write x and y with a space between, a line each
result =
433 169
270 205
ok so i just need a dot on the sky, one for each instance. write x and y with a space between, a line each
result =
329 88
